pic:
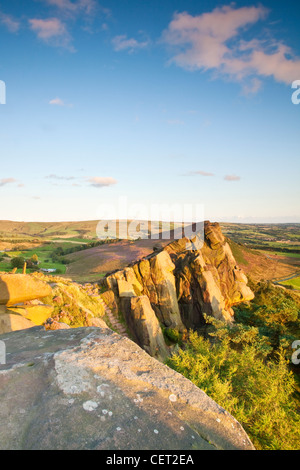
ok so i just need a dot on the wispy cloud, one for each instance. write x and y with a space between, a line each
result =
9 22
52 31
232 178
59 102
122 43
57 177
213 41
99 182
199 172
5 181
87 7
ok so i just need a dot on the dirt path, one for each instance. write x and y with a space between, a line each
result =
288 278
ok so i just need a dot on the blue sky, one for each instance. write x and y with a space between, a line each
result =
158 102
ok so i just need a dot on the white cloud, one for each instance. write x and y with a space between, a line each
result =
232 178
5 181
59 102
99 182
212 41
57 177
11 23
122 43
200 172
77 7
52 31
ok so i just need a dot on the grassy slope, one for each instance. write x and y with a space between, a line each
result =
259 265
292 282
93 263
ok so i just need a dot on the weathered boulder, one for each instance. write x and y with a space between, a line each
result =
125 289
89 388
56 325
38 314
13 322
16 288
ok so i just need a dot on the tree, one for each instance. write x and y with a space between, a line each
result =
34 259
17 262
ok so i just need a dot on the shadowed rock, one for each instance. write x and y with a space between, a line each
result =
89 388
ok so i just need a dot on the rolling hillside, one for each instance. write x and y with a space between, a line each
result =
91 264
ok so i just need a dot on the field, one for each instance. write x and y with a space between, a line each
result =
95 262
295 283
44 256
263 251
270 237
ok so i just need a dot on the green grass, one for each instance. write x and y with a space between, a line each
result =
289 255
279 253
292 282
238 252
43 252
5 266
13 254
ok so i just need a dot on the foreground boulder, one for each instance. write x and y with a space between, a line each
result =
13 322
15 288
89 388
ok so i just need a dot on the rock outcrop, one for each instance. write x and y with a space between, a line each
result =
15 288
89 388
20 306
184 281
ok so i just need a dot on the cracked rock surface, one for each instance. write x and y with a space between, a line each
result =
90 388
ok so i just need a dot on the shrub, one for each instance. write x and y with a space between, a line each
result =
172 335
239 377
17 262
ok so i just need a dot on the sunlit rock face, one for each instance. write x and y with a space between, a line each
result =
183 281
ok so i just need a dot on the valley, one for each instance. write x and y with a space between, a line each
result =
264 251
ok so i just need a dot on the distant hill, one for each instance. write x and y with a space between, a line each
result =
85 229
91 263
30 230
